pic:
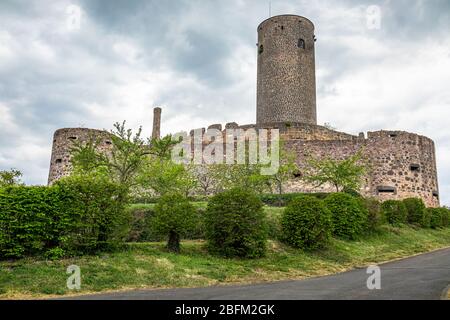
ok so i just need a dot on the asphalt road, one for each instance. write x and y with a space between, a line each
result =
421 277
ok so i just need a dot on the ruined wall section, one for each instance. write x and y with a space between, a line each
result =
63 139
401 164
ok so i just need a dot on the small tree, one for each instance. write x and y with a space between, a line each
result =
236 224
174 216
204 176
122 163
161 174
164 176
342 174
245 176
10 178
288 167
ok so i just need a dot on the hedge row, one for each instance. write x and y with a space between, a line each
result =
414 212
75 216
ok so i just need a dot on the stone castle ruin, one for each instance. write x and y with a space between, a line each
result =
401 164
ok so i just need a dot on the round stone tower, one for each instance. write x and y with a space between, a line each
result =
286 89
63 142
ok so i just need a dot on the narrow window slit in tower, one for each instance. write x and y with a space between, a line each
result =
58 161
436 194
301 43
392 135
415 167
108 142
73 138
382 189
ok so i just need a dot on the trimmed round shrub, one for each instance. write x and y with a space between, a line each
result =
439 217
395 212
349 216
375 214
174 217
306 223
416 211
235 224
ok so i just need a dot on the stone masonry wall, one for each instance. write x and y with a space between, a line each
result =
401 164
286 83
60 165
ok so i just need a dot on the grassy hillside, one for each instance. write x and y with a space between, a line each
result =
148 265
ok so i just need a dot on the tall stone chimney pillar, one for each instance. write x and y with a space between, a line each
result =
156 123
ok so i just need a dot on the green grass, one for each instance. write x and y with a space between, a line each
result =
149 265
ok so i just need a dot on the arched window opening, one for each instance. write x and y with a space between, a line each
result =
301 43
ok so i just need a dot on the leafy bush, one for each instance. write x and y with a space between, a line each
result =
375 214
306 223
349 216
439 217
236 225
395 212
26 215
282 200
93 214
174 217
416 211
446 218
75 216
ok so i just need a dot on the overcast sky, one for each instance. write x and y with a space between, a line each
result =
197 59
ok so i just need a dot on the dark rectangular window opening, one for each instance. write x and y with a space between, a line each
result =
58 161
393 135
390 190
436 194
73 138
415 167
108 142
